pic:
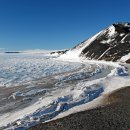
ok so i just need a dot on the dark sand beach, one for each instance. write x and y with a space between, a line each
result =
114 116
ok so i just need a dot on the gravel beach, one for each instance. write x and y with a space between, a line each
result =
114 116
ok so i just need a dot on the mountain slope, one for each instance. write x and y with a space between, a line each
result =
110 44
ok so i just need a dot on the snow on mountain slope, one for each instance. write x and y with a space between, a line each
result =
74 53
110 44
125 58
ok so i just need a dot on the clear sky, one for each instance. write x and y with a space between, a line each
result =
56 24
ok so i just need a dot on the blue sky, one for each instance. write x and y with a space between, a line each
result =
56 24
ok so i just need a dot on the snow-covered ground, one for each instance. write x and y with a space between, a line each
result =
44 88
16 69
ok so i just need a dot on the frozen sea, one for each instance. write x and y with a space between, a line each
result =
37 87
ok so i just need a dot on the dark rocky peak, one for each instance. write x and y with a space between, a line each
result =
123 24
122 27
110 44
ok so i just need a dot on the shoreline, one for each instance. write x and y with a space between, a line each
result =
114 115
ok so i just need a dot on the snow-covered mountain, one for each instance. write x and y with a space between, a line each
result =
111 44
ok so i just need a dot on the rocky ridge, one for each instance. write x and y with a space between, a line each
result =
111 44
